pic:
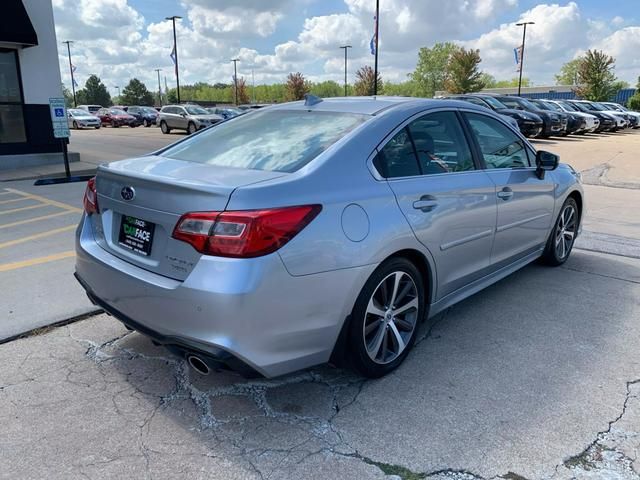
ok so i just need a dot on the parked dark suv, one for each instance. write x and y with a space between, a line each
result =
530 124
554 123
147 116
574 122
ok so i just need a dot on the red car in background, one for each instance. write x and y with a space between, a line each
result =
116 118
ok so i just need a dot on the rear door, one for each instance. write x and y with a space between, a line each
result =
448 201
525 202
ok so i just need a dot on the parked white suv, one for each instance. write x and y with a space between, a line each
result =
186 117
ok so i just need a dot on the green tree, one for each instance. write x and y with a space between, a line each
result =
243 93
297 86
402 89
365 79
430 71
634 103
488 80
569 72
463 75
68 96
511 83
596 80
136 93
94 93
327 89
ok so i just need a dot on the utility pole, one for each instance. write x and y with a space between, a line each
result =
175 53
235 77
524 36
118 88
345 47
158 70
73 82
253 88
375 69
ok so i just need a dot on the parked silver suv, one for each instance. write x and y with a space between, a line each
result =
186 117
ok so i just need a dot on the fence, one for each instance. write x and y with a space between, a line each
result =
621 97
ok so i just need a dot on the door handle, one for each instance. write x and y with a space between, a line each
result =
426 203
505 194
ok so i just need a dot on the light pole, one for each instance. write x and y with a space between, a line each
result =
73 82
235 77
118 88
175 53
345 47
524 37
158 70
375 70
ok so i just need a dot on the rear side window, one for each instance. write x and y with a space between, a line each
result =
278 140
430 145
500 147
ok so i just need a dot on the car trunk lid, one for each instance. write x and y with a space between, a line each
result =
142 199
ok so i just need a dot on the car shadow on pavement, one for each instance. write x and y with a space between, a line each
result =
518 378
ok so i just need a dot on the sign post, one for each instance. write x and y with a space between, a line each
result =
60 124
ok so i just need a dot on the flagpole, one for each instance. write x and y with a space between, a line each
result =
375 69
524 36
73 82
175 51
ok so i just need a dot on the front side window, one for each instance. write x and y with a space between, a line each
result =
12 128
278 140
500 147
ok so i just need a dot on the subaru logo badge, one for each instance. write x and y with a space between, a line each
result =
128 193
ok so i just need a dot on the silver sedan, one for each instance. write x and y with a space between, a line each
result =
320 231
82 119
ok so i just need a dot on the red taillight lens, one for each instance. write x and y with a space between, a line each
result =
243 234
90 200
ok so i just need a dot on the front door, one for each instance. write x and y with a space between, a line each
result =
449 202
525 202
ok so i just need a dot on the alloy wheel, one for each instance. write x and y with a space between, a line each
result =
565 232
391 317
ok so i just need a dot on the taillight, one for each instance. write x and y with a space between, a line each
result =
243 234
90 200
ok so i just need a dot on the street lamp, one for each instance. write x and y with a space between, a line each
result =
118 88
345 47
524 36
158 70
175 54
73 82
235 77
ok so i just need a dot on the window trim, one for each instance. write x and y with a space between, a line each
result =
404 124
21 102
476 146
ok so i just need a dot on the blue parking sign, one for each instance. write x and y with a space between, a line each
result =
59 112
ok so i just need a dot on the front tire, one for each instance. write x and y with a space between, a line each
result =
386 317
75 125
164 127
191 128
563 235
146 123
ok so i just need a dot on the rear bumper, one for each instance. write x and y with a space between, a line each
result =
242 311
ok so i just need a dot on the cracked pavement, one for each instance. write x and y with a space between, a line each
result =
521 381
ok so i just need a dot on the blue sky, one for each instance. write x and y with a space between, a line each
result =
119 39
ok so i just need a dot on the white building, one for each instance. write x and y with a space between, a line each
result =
29 76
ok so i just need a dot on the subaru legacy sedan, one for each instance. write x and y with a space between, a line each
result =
320 231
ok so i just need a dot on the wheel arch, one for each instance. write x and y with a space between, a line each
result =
577 196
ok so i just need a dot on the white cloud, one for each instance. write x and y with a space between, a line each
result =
114 41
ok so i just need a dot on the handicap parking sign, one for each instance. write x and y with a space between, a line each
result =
59 112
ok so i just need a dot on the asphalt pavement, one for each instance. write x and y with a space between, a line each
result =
536 377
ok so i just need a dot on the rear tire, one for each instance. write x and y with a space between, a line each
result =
191 128
164 127
563 235
75 125
146 123
386 317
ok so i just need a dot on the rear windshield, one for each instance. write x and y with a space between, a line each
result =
281 141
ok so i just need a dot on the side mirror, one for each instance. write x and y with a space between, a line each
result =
183 114
546 161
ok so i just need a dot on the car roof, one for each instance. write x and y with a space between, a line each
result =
367 105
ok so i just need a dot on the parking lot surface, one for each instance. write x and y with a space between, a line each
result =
536 377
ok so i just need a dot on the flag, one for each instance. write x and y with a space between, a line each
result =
75 84
173 54
374 39
73 68
517 52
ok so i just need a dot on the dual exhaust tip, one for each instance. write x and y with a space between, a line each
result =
198 364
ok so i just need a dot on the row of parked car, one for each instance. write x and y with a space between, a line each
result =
545 118
190 118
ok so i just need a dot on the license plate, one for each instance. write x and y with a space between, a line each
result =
136 235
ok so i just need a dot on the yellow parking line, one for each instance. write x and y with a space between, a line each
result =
45 200
36 236
36 219
5 267
14 210
13 200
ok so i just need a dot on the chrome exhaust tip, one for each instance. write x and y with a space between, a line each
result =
198 365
